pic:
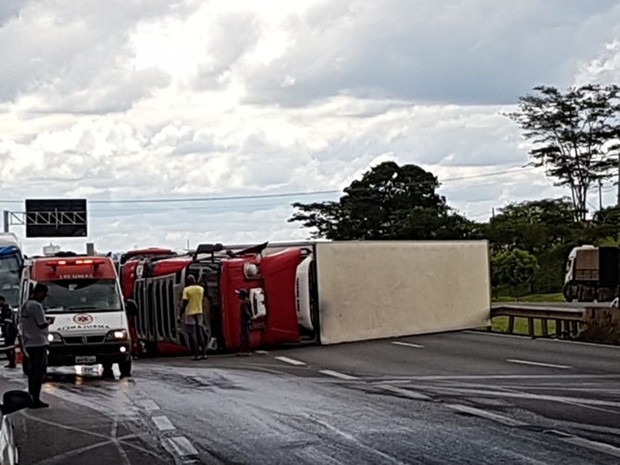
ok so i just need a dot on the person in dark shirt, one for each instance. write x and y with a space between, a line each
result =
246 321
9 331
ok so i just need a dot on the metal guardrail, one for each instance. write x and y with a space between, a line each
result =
567 319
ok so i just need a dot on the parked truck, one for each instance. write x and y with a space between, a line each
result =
592 274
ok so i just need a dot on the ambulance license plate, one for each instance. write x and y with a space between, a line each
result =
82 360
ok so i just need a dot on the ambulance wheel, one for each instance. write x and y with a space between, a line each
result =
26 365
125 368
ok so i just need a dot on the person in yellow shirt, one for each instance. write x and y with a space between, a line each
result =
192 316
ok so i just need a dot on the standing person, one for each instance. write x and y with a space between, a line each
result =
245 310
9 331
191 313
34 337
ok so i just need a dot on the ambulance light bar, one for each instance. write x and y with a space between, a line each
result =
77 262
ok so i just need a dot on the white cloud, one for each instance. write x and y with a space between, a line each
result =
134 99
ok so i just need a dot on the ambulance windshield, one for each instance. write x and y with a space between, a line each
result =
92 295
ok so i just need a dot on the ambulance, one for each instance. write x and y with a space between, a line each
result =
85 306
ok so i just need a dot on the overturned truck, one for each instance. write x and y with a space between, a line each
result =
319 293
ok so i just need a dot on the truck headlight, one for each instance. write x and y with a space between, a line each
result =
117 335
54 337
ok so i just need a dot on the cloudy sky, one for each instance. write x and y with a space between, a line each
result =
140 100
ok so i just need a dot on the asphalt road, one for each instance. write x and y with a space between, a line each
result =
461 398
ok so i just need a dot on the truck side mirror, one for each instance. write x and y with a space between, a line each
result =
14 401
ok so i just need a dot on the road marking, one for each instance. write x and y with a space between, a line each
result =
261 352
488 333
182 446
148 405
574 401
336 374
163 423
485 414
405 392
406 379
408 344
593 445
291 361
539 364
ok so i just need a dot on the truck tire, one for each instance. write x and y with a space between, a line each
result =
125 368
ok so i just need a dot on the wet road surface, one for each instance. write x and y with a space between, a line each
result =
444 399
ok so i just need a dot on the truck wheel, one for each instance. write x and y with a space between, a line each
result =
125 368
26 365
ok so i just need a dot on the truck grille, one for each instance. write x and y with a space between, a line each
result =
80 339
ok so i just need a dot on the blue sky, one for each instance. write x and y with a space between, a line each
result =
144 99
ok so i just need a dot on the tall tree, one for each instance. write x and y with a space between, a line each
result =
534 226
388 202
546 228
571 132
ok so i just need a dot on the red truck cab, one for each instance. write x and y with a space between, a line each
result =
272 280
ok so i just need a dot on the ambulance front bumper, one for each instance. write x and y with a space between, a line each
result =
91 354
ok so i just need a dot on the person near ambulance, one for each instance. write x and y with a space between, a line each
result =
192 316
9 331
34 334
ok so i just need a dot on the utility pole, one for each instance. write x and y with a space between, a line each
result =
6 221
600 195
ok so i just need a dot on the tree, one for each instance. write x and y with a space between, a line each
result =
388 202
571 132
534 226
545 228
513 268
606 227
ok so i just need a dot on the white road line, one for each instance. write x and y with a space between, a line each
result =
539 364
514 336
182 446
148 405
485 414
408 344
406 379
337 374
593 445
261 352
574 401
291 361
405 392
163 423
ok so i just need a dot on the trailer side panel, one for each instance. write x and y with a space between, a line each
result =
379 289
